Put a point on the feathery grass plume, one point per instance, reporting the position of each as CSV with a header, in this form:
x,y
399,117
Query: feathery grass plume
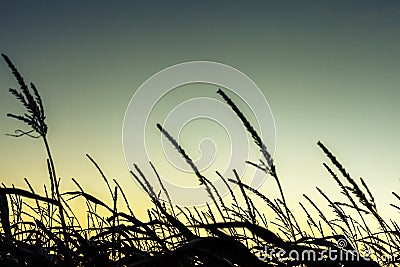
x,y
250,129
372,199
263,148
31,100
355,189
148,185
35,118
203,180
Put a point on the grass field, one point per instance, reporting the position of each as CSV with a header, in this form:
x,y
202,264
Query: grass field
x,y
43,230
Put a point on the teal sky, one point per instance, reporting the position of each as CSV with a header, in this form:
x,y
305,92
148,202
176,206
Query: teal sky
x,y
329,70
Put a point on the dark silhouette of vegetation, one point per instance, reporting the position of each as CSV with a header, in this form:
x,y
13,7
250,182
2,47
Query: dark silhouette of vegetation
x,y
47,232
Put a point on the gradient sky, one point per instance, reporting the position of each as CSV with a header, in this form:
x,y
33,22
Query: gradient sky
x,y
329,70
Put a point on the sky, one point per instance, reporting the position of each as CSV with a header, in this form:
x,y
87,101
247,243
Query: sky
x,y
328,69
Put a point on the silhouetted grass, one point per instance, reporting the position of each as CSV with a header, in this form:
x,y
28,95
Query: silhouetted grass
x,y
48,233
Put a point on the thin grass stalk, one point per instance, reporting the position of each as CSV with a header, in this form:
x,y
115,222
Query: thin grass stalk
x,y
246,198
125,198
321,214
163,188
